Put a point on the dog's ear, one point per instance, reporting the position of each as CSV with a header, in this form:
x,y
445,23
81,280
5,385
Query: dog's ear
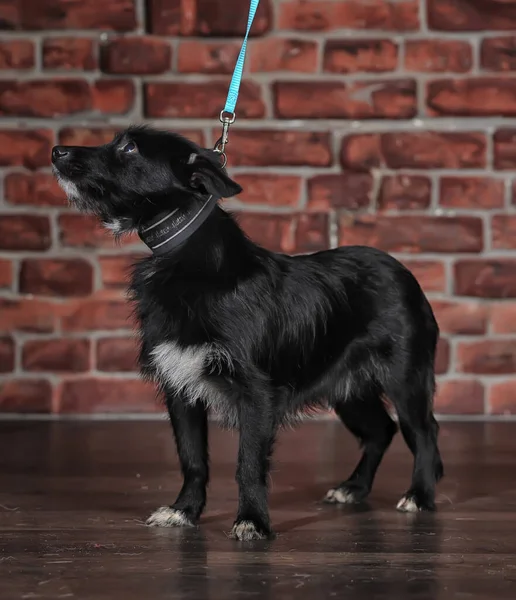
x,y
207,173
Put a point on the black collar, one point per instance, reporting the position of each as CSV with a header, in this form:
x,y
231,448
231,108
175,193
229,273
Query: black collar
x,y
167,231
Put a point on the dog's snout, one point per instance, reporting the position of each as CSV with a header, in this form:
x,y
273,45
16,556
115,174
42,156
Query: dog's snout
x,y
59,152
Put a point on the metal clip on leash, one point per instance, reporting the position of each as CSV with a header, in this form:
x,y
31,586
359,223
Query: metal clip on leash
x,y
220,146
228,115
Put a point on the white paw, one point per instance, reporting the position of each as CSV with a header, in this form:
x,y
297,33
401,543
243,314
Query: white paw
x,y
407,504
246,531
166,516
340,496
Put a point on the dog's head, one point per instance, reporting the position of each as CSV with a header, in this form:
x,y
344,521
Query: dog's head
x,y
141,173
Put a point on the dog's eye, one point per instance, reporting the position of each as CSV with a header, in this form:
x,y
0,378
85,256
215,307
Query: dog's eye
x,y
130,147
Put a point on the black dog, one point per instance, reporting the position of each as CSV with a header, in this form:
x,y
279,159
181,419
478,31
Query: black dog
x,y
257,337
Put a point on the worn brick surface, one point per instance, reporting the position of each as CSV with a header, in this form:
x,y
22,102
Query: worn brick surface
x,y
405,192
69,53
37,189
352,56
56,277
117,354
381,122
137,55
413,234
438,56
7,349
16,54
59,355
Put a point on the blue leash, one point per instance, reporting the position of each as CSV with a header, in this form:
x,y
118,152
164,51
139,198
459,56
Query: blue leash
x,y
228,116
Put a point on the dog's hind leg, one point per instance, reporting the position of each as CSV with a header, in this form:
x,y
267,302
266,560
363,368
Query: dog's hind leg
x,y
190,426
365,416
413,401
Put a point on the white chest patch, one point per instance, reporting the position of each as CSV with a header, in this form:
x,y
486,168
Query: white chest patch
x,y
185,370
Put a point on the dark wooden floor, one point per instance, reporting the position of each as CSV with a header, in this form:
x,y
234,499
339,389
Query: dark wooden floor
x,y
74,496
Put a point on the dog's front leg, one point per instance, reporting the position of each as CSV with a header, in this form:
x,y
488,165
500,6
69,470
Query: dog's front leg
x,y
257,433
190,426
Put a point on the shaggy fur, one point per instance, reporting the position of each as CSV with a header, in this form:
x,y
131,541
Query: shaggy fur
x,y
258,337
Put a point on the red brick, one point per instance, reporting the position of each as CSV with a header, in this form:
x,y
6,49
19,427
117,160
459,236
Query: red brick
x,y
503,317
442,357
415,150
353,14
502,396
503,232
363,151
215,58
24,232
471,192
430,274
487,278
480,96
28,315
224,18
56,277
434,150
268,147
29,149
136,55
505,149
89,395
200,100
498,54
86,136
471,15
6,354
392,99
404,192
69,53
85,231
99,312
16,54
291,234
63,14
44,98
461,317
25,396
488,357
463,397
113,96
413,233
6,273
57,355
116,270
354,56
37,189
117,354
350,190
274,54
438,56
269,189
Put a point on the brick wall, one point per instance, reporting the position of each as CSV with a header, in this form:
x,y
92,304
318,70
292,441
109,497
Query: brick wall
x,y
389,123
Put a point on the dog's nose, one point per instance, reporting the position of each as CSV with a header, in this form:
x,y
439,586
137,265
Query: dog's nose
x,y
59,152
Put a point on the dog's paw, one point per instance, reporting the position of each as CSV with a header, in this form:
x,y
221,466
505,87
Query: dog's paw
x,y
411,503
245,531
345,495
166,516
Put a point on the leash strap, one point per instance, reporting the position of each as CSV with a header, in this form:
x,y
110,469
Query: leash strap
x,y
234,86
227,116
